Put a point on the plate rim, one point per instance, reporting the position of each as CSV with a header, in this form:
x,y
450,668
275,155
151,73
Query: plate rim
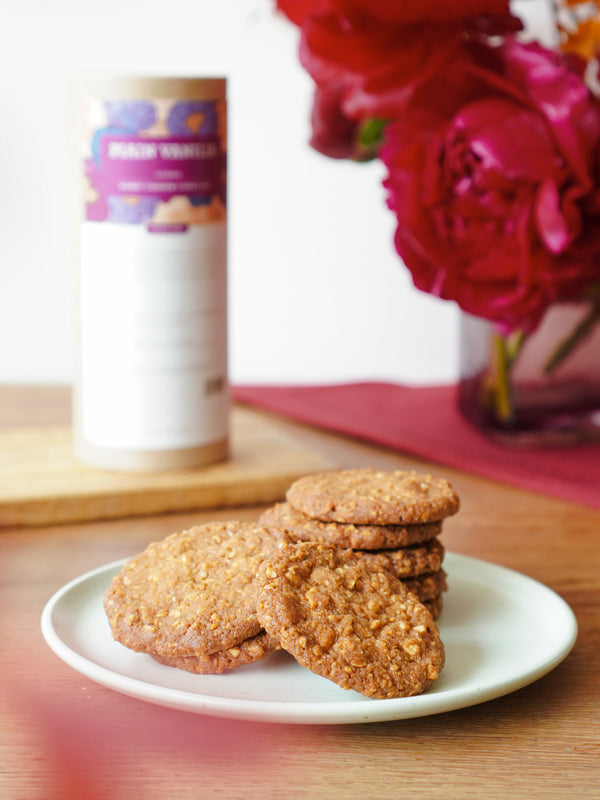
x,y
302,712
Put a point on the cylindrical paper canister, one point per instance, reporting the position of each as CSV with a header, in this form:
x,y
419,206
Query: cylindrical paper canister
x,y
151,387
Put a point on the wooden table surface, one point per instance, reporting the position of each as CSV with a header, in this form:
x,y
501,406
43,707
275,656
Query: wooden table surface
x,y
63,737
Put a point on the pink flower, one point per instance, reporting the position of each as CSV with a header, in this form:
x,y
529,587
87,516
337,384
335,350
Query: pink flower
x,y
376,67
492,176
391,12
333,133
376,52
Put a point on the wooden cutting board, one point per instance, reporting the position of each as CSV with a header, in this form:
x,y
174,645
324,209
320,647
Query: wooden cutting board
x,y
41,483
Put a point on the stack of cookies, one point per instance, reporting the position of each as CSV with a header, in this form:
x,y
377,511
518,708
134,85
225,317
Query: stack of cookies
x,y
349,590
392,519
188,600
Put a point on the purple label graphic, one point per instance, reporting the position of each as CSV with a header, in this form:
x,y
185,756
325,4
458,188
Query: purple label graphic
x,y
163,168
162,165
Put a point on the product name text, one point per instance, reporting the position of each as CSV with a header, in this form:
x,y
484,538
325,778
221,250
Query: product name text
x,y
169,151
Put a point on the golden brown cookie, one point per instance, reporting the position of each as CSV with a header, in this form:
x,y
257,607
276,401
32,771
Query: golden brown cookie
x,y
190,594
406,562
373,497
358,627
299,526
427,587
435,605
247,652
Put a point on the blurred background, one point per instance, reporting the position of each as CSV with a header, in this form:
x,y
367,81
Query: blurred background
x,y
316,291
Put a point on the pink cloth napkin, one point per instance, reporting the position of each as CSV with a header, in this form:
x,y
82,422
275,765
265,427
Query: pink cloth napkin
x,y
425,422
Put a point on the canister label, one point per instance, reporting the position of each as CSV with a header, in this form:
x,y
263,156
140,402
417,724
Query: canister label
x,y
159,163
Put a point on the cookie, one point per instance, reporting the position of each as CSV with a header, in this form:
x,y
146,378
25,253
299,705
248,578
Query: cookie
x,y
373,497
248,652
358,627
435,605
190,594
427,587
410,561
283,517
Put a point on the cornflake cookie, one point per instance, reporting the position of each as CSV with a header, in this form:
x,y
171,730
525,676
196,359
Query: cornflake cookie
x,y
357,627
283,517
373,497
247,652
190,594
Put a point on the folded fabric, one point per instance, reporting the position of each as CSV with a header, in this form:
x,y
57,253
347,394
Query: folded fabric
x,y
425,422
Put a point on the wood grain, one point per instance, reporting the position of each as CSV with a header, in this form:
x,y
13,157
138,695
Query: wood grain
x,y
63,737
43,484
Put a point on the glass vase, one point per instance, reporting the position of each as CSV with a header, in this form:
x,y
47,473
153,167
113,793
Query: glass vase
x,y
543,388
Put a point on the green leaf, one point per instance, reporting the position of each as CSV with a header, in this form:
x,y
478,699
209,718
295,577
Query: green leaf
x,y
371,133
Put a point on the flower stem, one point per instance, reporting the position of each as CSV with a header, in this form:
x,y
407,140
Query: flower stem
x,y
506,351
514,346
503,402
566,347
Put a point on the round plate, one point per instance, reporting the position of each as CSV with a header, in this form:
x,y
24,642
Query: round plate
x,y
502,630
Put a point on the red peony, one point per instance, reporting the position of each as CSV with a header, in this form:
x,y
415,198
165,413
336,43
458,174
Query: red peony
x,y
333,133
492,177
391,12
370,55
377,67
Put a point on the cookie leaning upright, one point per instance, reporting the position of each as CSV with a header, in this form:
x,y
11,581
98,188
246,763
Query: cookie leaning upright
x,y
342,619
190,594
373,497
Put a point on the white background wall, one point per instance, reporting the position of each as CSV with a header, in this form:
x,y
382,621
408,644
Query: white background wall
x,y
316,290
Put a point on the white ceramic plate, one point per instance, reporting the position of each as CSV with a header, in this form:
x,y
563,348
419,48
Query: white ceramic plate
x,y
502,630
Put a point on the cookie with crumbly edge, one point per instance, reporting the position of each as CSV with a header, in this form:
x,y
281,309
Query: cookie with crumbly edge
x,y
284,517
427,587
435,605
410,561
247,652
358,627
190,594
373,497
